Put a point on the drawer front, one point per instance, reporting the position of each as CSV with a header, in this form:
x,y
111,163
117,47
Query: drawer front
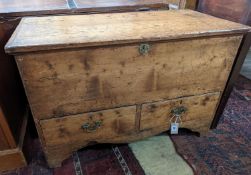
x,y
76,81
198,116
99,127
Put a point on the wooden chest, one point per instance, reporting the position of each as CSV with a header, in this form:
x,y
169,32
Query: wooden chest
x,y
113,78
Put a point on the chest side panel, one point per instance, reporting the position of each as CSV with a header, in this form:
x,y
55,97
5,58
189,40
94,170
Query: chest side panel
x,y
89,79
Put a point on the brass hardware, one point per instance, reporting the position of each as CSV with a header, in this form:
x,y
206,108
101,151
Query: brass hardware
x,y
91,127
178,111
144,48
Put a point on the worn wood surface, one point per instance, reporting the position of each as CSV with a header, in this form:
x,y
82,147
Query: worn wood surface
x,y
240,57
115,122
12,98
61,140
72,85
98,29
12,159
93,79
56,154
199,115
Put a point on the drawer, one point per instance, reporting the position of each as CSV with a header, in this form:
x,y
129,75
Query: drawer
x,y
199,113
76,81
99,126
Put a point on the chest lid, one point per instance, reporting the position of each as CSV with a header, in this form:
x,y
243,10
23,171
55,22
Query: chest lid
x,y
61,32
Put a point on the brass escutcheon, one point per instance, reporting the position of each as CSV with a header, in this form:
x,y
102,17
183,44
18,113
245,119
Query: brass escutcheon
x,y
144,48
178,111
92,126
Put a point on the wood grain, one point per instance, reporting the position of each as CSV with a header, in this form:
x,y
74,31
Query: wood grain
x,y
86,71
68,129
199,115
198,118
56,154
98,29
12,159
12,98
101,78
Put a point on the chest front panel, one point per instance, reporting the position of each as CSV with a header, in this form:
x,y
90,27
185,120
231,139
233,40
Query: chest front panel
x,y
75,81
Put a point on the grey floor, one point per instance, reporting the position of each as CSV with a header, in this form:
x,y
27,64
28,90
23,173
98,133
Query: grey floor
x,y
246,68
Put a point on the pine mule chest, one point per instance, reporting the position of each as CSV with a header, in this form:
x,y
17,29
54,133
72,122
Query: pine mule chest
x,y
115,78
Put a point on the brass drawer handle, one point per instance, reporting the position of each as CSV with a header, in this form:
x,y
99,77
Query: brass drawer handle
x,y
144,48
92,127
178,111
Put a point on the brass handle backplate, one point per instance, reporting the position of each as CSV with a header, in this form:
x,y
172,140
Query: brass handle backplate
x,y
92,126
178,111
144,48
